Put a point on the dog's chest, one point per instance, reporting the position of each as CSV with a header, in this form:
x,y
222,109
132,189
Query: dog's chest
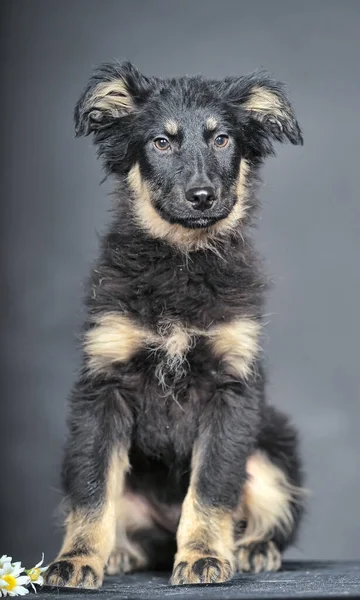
x,y
185,293
173,345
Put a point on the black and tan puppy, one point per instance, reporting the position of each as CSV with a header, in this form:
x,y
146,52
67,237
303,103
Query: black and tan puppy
x,y
173,455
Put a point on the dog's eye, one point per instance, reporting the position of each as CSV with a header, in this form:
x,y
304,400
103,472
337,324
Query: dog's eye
x,y
161,143
221,141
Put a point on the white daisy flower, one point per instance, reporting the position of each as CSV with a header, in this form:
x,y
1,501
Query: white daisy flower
x,y
35,574
13,568
11,581
4,559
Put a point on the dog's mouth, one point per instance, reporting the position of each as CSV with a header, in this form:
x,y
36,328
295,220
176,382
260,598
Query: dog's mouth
x,y
191,219
199,222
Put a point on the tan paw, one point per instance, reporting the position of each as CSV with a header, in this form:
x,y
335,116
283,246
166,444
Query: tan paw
x,y
126,560
78,571
207,569
257,557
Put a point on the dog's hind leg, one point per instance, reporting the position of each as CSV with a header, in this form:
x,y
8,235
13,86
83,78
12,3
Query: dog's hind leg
x,y
272,501
141,543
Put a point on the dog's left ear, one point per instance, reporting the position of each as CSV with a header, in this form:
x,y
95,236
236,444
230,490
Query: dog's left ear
x,y
114,91
265,100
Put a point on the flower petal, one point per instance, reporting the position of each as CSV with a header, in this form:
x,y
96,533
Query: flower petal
x,y
39,581
41,562
16,571
21,591
24,580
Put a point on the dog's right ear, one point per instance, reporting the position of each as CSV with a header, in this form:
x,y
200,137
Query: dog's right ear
x,y
114,91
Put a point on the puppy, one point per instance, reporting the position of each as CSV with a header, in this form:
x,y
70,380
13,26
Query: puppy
x,y
173,457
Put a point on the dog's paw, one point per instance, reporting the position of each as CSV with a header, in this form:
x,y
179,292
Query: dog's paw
x,y
125,560
257,557
79,571
207,569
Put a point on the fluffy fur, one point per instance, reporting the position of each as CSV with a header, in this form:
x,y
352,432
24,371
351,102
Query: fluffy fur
x,y
173,456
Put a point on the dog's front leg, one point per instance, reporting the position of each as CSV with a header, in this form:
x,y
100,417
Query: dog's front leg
x,y
205,535
95,464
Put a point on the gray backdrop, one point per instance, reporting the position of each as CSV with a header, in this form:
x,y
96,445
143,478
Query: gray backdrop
x,y
52,208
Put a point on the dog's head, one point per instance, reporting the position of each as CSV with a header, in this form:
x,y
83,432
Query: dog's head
x,y
186,146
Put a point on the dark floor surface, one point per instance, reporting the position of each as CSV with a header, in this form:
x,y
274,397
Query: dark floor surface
x,y
296,580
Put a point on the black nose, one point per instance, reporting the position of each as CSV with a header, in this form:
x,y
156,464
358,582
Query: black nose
x,y
201,197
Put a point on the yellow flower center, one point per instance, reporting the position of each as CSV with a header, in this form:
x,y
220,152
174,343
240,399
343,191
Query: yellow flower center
x,y
11,582
34,574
